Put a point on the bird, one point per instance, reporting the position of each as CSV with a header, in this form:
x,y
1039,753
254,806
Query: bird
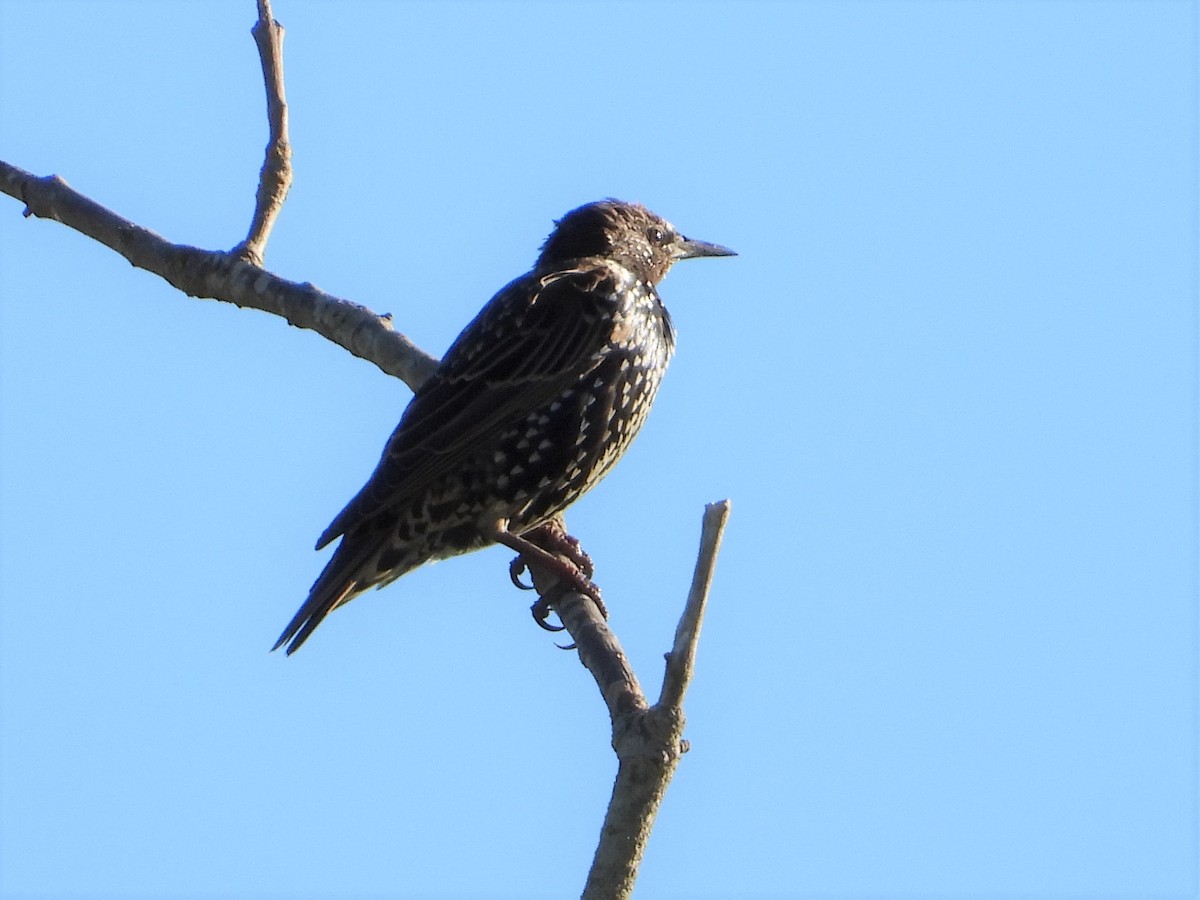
x,y
533,403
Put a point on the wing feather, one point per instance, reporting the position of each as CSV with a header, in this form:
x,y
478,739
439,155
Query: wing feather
x,y
533,340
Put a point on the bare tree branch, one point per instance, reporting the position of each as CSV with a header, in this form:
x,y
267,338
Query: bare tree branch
x,y
599,650
235,277
648,740
276,175
218,275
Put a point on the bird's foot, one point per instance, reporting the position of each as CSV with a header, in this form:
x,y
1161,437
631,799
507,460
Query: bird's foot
x,y
573,568
552,536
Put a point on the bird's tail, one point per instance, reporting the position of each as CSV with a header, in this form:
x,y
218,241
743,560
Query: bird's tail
x,y
339,582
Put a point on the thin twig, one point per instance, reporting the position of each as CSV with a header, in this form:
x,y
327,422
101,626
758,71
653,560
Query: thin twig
x,y
682,658
276,176
222,276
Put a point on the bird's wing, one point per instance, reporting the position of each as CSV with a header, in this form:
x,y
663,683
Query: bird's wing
x,y
532,341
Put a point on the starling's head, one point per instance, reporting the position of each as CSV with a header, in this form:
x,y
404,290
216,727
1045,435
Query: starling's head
x,y
626,233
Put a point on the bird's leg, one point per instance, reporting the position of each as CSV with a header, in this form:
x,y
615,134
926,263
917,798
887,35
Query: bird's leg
x,y
571,574
553,537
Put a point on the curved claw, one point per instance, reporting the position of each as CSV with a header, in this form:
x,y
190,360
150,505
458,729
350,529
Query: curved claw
x,y
540,611
515,569
570,646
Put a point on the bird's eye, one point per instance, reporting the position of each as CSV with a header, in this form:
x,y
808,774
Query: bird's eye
x,y
656,235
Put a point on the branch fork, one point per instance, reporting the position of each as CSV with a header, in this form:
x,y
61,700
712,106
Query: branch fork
x,y
648,739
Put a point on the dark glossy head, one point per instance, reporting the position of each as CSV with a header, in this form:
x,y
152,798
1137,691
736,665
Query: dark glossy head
x,y
626,233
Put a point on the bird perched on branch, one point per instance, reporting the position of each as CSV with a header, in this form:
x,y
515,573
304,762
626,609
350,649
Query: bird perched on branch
x,y
530,407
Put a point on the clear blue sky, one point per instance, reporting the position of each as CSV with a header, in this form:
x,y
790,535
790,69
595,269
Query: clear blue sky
x,y
949,385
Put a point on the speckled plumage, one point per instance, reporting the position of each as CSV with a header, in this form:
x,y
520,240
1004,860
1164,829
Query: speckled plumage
x,y
532,404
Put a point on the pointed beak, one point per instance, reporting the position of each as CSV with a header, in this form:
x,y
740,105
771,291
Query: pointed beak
x,y
687,249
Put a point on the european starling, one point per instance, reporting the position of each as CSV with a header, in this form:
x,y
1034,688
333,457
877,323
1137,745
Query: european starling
x,y
532,405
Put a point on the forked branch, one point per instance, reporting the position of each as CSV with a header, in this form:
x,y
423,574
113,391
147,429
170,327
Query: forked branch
x,y
276,176
648,740
235,277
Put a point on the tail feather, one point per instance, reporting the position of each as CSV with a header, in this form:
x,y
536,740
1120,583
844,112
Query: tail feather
x,y
311,614
340,581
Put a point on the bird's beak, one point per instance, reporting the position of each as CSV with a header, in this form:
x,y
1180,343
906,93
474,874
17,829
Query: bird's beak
x,y
686,249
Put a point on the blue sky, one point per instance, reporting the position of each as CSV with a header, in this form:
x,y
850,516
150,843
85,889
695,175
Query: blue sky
x,y
949,385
